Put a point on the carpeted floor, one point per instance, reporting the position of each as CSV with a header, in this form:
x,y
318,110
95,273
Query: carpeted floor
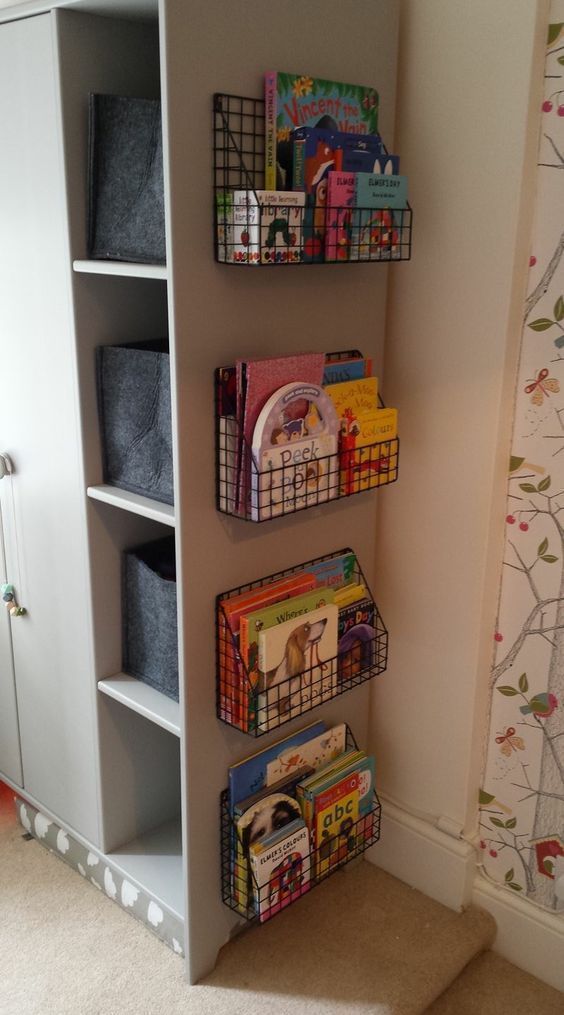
x,y
361,943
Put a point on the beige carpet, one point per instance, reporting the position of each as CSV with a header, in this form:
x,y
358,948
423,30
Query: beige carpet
x,y
361,943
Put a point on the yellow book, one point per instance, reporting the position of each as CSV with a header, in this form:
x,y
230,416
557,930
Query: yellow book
x,y
367,459
357,397
349,594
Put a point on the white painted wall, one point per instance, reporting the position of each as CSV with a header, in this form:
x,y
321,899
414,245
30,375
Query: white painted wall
x,y
469,94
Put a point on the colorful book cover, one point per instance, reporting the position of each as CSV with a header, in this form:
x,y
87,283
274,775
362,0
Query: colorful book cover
x,y
340,201
366,457
286,784
224,225
281,226
281,871
256,380
316,753
377,228
233,676
294,446
298,665
270,130
316,154
361,154
335,571
246,228
358,397
336,812
304,101
271,812
337,371
249,775
356,640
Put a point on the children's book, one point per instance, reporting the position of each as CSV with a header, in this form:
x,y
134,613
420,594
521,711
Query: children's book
x,y
280,870
382,190
251,625
336,814
245,247
357,397
316,153
298,100
294,446
286,784
337,371
376,228
271,812
298,665
315,753
363,153
356,640
335,571
340,201
224,224
281,226
349,594
366,457
249,776
234,682
256,380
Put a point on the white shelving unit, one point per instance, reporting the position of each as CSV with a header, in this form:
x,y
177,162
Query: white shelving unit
x,y
149,767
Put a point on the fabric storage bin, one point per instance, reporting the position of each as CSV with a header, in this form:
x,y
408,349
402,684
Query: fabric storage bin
x,y
150,633
126,191
135,417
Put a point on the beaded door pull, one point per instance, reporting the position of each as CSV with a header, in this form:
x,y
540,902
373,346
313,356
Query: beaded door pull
x,y
9,598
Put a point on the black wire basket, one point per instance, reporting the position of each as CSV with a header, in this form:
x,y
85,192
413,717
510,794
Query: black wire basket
x,y
247,704
246,491
248,231
297,874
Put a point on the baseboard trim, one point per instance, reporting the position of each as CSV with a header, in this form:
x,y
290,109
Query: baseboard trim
x,y
529,937
419,853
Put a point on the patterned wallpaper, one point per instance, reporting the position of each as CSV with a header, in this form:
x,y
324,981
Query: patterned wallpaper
x,y
522,798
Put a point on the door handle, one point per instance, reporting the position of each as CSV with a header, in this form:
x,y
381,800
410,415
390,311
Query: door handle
x,y
6,465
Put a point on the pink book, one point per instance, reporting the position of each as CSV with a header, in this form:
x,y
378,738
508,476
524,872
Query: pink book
x,y
256,381
340,203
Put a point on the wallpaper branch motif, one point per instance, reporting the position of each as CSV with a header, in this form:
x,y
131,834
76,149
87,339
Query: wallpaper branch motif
x,y
522,800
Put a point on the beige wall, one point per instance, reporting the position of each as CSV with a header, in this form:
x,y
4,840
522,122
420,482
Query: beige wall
x,y
469,91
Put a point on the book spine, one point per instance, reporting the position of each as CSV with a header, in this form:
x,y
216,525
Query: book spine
x,y
298,176
270,79
246,229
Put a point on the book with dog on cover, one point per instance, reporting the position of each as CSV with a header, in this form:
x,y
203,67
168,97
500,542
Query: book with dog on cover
x,y
280,869
297,665
265,816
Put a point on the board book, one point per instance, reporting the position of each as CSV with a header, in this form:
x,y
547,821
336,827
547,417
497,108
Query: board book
x,y
354,369
336,815
275,808
249,776
358,397
356,639
294,446
340,201
298,666
316,753
280,870
298,100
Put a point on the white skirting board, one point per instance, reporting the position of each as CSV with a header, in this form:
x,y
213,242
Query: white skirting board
x,y
445,868
528,936
425,857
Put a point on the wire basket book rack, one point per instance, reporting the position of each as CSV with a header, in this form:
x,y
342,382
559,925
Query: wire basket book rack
x,y
250,230
296,873
245,702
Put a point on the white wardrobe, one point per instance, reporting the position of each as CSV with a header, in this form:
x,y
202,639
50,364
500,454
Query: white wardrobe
x,y
134,777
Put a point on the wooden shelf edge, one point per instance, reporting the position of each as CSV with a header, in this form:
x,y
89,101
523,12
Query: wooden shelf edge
x,y
143,699
133,502
125,268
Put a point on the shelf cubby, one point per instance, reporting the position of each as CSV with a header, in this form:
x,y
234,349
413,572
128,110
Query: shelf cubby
x,y
133,502
248,235
295,876
143,699
127,269
244,705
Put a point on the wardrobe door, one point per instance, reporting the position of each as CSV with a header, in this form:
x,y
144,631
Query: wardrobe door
x,y
45,535
10,756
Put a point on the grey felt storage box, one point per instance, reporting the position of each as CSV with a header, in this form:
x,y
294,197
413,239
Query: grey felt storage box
x,y
126,193
150,632
135,417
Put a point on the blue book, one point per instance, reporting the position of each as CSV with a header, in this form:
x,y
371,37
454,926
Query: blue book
x,y
377,217
249,775
318,151
366,155
382,190
346,370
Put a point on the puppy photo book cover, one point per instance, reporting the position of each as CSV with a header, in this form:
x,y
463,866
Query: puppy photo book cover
x,y
297,660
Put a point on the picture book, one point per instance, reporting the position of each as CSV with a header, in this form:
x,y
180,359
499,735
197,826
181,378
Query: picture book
x,y
315,753
249,775
273,811
335,571
316,153
294,446
281,226
365,456
336,814
380,190
355,397
256,380
280,870
366,154
298,100
356,640
245,247
298,665
377,228
340,200
337,371
224,224
234,682
286,784
351,761
349,594
249,627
